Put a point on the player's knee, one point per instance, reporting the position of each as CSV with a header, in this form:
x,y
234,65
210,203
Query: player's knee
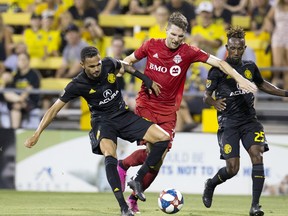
x,y
232,170
164,137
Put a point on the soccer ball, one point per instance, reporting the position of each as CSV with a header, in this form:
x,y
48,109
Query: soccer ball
x,y
170,201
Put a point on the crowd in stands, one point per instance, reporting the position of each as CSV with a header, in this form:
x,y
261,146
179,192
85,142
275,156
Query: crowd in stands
x,y
61,28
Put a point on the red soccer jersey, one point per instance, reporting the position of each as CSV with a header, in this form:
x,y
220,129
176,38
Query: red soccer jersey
x,y
167,67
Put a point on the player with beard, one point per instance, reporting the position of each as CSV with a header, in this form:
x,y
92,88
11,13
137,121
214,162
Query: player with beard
x,y
237,119
110,118
168,61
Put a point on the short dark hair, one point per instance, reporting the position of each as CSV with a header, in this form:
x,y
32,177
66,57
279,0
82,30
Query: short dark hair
x,y
178,20
236,32
88,52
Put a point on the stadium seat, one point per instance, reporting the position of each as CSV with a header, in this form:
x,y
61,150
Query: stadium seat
x,y
130,43
127,21
49,63
243,21
54,83
259,44
17,38
16,19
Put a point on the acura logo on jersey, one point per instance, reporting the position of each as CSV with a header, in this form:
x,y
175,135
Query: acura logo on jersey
x,y
107,93
108,96
239,91
175,70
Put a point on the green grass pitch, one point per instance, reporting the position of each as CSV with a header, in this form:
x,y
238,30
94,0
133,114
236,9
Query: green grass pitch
x,y
98,204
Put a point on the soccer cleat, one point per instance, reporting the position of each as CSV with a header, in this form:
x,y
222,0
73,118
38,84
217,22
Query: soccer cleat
x,y
122,174
137,188
256,210
208,194
133,206
127,212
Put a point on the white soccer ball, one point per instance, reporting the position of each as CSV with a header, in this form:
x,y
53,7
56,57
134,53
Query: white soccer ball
x,y
170,201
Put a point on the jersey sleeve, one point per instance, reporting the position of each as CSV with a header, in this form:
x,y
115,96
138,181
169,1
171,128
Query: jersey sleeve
x,y
258,79
116,64
212,79
198,55
142,51
70,92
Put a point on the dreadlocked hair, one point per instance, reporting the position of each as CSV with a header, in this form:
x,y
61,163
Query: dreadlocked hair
x,y
88,52
235,32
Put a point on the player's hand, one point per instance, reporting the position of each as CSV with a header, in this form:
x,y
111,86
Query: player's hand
x,y
155,88
30,142
220,104
247,85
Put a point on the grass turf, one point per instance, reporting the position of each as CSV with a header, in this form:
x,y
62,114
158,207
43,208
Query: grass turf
x,y
98,204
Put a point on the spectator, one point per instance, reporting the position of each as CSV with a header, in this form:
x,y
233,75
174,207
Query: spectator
x,y
240,7
221,15
11,61
50,7
207,35
278,15
6,42
107,6
159,29
259,12
24,106
143,7
33,38
83,9
65,20
185,8
93,33
5,77
51,38
71,53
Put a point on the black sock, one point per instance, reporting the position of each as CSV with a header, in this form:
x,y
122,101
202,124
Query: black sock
x,y
121,164
142,172
153,158
258,178
220,177
114,180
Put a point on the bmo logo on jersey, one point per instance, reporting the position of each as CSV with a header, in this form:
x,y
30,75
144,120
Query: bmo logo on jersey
x,y
157,68
174,70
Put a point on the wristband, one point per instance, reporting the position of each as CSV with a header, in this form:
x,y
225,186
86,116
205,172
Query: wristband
x,y
286,93
147,81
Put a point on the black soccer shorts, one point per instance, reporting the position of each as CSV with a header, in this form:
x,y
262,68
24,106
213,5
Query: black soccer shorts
x,y
126,125
251,133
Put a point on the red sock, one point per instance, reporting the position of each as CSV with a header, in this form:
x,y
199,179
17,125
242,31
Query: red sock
x,y
136,158
149,178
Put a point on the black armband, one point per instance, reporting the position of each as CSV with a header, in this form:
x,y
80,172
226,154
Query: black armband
x,y
147,81
286,93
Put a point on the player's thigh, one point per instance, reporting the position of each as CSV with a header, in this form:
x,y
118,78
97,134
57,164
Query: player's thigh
x,y
155,134
108,147
252,133
100,130
228,140
132,127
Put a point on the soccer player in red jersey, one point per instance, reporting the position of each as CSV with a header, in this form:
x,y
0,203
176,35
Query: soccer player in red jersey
x,y
168,61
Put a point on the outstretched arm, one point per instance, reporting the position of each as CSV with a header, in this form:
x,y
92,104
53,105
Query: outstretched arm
x,y
46,120
226,68
273,90
150,84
